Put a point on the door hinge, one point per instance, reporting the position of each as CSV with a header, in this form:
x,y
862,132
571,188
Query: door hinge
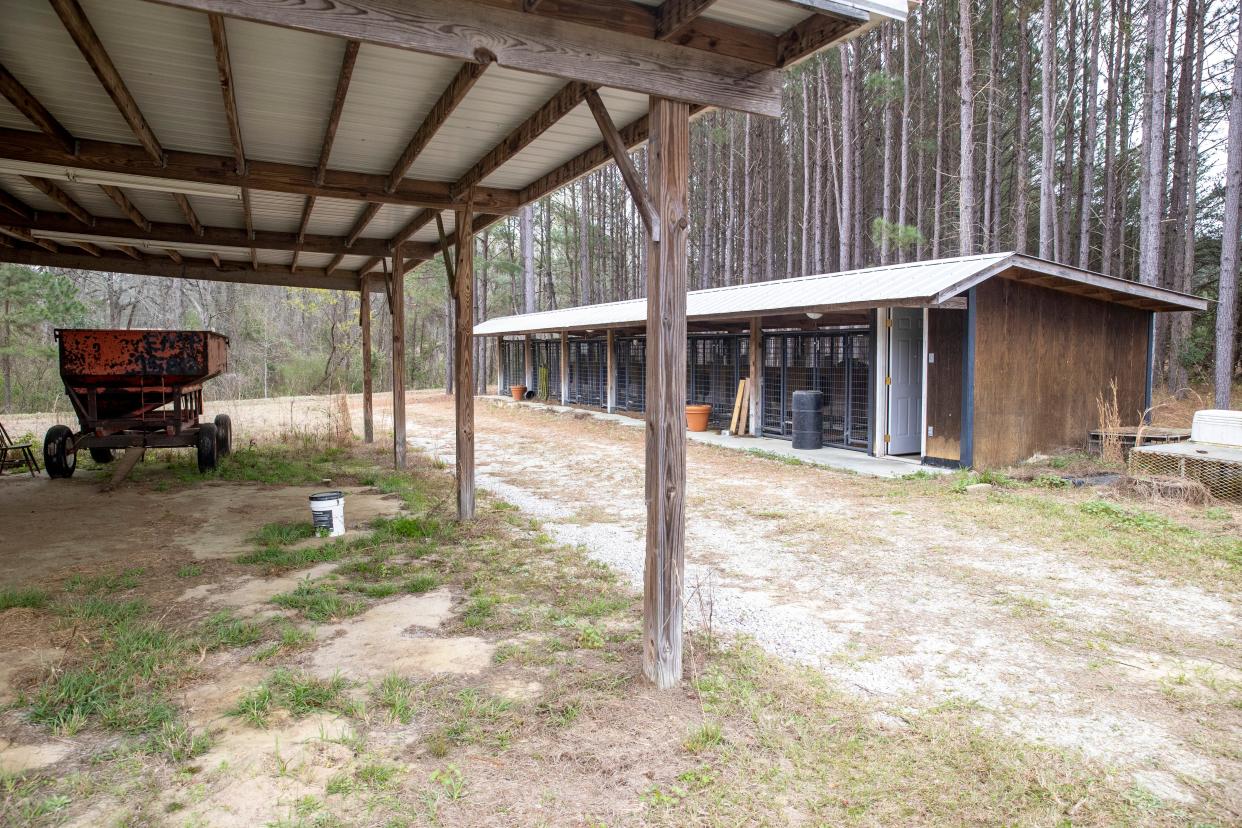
x,y
887,438
888,380
888,323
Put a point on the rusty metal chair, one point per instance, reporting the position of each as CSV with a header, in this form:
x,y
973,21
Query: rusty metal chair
x,y
16,455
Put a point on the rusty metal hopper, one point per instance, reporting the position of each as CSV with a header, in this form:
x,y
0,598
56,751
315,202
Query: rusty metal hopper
x,y
140,358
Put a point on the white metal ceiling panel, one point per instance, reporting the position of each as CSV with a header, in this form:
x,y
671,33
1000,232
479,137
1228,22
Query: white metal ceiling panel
x,y
91,198
334,217
389,221
158,207
499,102
277,212
35,47
166,58
429,233
285,82
17,187
773,18
390,93
215,212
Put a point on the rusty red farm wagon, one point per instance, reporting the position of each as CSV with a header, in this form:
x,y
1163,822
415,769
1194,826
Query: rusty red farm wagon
x,y
137,388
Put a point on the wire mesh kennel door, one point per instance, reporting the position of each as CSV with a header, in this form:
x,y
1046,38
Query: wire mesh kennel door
x,y
713,370
837,364
588,372
512,364
546,356
631,367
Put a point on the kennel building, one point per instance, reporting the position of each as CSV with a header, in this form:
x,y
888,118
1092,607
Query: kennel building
x,y
975,361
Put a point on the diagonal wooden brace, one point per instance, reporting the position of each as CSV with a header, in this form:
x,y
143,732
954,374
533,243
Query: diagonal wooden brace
x,y
633,182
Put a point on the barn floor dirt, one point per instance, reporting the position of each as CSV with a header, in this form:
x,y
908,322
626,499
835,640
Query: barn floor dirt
x,y
913,601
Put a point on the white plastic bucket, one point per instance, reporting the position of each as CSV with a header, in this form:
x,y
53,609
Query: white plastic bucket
x,y
328,513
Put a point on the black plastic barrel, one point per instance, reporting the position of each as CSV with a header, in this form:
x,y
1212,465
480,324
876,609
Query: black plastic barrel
x,y
808,419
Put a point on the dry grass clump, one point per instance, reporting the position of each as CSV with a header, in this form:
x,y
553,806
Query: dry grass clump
x,y
1108,418
1166,489
341,426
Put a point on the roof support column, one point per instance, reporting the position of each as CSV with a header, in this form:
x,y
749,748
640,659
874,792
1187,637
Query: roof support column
x,y
397,298
463,355
756,372
364,322
529,363
668,185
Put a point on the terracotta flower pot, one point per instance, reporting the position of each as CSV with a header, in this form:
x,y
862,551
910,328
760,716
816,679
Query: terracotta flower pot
x,y
696,417
518,392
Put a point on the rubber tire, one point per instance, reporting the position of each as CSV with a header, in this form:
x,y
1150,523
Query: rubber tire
x,y
57,459
102,455
208,443
224,435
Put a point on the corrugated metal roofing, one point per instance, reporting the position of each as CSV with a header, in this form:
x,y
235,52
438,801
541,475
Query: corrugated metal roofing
x,y
284,83
920,283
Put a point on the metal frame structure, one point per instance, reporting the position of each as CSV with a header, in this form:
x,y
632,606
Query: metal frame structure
x,y
836,363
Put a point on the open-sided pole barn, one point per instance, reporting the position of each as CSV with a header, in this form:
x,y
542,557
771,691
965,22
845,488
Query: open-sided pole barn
x,y
338,143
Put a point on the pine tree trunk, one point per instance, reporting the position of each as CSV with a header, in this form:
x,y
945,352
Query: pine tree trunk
x,y
730,205
1227,296
1047,159
886,175
1064,244
990,205
846,249
967,209
904,139
1091,125
1022,157
938,196
747,276
1111,123
1151,205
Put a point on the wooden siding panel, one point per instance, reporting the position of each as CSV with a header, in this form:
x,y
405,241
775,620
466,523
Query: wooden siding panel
x,y
946,339
1041,358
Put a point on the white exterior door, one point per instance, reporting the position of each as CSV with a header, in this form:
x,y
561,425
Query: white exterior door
x,y
905,385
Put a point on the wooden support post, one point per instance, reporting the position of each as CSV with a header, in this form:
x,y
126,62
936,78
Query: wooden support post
x,y
564,367
668,153
611,384
463,355
756,373
364,322
397,292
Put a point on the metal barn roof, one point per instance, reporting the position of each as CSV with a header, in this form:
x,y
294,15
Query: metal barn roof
x,y
282,68
917,284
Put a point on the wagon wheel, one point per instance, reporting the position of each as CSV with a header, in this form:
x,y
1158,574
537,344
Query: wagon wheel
x,y
224,435
59,456
101,455
208,445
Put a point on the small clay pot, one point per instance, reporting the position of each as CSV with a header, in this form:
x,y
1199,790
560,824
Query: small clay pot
x,y
697,416
518,392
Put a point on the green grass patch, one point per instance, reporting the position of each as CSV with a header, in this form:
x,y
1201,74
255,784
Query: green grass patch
x,y
283,534
124,681
191,571
318,602
104,584
298,692
779,458
224,630
396,695
26,597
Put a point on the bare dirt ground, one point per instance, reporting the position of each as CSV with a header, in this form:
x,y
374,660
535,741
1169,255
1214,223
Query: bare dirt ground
x,y
905,596
894,597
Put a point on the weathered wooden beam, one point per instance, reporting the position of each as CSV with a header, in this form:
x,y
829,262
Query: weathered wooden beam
x,y
335,263
364,323
35,112
348,60
240,272
130,251
248,221
187,210
15,205
92,49
215,260
307,207
224,68
810,36
55,193
668,181
127,207
465,30
610,378
87,246
555,108
420,220
620,155
173,254
641,20
396,301
564,367
27,145
463,358
22,234
174,235
674,16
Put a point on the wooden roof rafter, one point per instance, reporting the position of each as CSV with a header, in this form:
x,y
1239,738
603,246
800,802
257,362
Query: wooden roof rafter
x,y
35,112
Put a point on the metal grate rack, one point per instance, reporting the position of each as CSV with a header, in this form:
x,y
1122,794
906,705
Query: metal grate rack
x,y
512,364
588,367
631,367
713,370
836,363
